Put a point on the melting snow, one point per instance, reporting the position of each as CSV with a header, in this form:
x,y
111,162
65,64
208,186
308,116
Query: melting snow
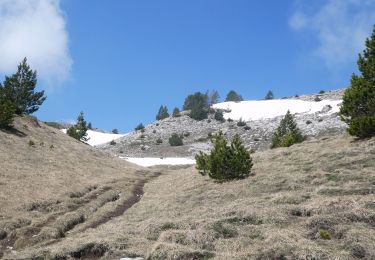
x,y
150,161
259,109
97,138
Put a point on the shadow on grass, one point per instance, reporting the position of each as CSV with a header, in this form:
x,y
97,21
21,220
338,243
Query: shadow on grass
x,y
13,131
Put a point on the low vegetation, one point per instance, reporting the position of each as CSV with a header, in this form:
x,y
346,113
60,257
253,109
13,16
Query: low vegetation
x,y
287,133
79,130
176,140
358,107
225,162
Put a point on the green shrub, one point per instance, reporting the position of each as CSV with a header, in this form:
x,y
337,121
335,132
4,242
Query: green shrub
x,y
159,141
175,140
114,131
139,127
31,143
154,131
186,134
230,120
176,112
112,142
322,92
269,95
162,113
308,122
241,123
317,99
225,162
219,116
358,107
7,111
79,130
287,133
324,233
247,127
233,96
198,112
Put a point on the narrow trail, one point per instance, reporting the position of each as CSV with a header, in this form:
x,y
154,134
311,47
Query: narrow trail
x,y
127,204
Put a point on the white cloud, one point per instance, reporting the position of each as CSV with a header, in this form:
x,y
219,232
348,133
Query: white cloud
x,y
340,26
34,29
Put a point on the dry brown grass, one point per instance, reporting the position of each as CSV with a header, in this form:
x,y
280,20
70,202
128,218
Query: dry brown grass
x,y
314,200
56,186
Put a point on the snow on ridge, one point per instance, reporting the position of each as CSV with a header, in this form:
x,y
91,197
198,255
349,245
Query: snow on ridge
x,y
261,109
151,161
98,138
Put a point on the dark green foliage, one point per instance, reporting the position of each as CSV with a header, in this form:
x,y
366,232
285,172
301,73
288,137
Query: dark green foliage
x,y
79,130
7,111
219,116
233,96
324,233
89,126
112,142
269,95
322,92
241,122
159,141
287,133
176,112
225,162
175,140
163,113
247,127
186,134
139,127
19,89
308,122
114,131
358,107
230,120
31,143
198,106
198,112
213,97
317,99
197,99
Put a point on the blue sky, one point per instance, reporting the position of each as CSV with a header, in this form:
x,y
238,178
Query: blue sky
x,y
118,61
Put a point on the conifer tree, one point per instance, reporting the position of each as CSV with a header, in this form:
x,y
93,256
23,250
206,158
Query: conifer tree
x,y
225,162
213,97
233,96
198,105
358,107
287,133
163,113
20,90
7,111
176,112
269,95
79,130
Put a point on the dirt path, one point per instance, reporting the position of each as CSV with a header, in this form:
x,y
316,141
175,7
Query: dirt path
x,y
127,204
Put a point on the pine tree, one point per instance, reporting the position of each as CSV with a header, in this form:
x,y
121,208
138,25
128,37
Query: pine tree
x,y
79,130
358,107
7,111
89,126
219,116
198,105
213,97
233,96
163,113
269,95
115,131
139,127
20,90
176,112
287,133
225,162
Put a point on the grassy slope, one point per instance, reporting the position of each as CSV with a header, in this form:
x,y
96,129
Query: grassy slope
x,y
314,200
48,189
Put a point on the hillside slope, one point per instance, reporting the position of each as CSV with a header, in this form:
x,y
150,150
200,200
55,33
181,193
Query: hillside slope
x,y
320,206
51,184
262,118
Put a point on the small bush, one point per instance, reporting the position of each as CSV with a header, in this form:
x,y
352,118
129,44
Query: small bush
x,y
7,111
308,122
287,133
142,136
31,143
320,120
247,127
241,123
198,113
317,99
186,134
175,140
224,231
112,142
176,112
159,141
209,121
154,131
139,127
51,146
219,116
230,120
225,162
324,233
114,131
322,92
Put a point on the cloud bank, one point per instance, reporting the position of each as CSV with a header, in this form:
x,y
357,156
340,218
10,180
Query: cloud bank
x,y
340,27
35,29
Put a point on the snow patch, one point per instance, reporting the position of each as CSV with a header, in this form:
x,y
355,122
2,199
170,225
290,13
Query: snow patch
x,y
262,109
151,161
98,138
